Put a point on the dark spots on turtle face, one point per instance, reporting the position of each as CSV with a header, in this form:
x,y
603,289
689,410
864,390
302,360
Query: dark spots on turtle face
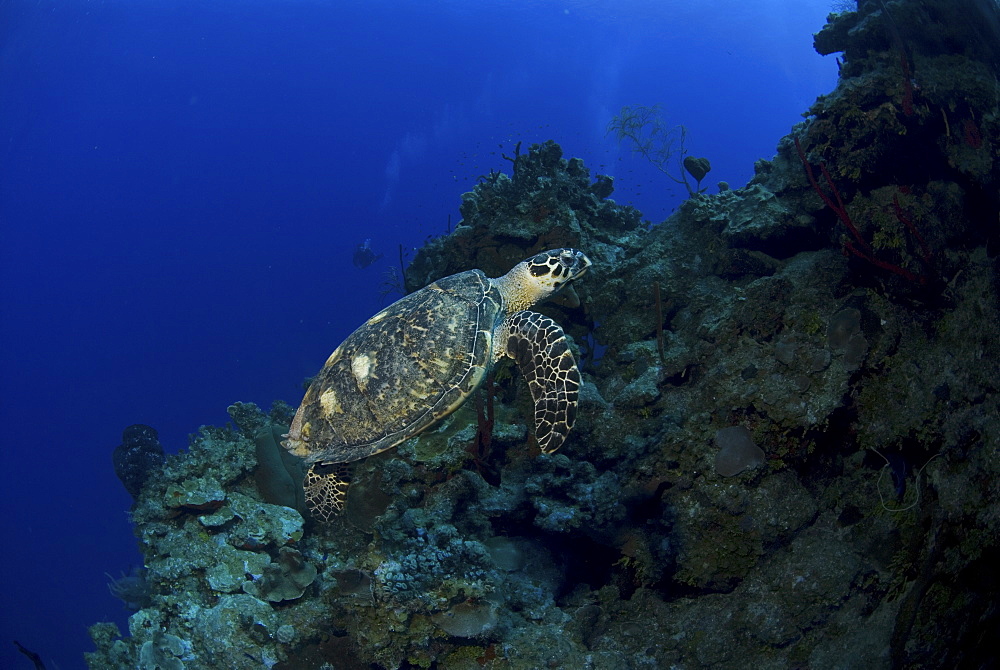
x,y
539,270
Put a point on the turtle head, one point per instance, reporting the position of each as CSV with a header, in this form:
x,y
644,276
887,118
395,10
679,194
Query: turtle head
x,y
542,276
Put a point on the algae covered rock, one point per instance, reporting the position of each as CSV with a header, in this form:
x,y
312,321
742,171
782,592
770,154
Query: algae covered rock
x,y
203,494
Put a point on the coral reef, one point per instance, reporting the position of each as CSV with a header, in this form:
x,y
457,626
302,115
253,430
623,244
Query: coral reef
x,y
741,323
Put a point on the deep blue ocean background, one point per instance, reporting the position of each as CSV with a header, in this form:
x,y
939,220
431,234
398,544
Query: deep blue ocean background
x,y
183,184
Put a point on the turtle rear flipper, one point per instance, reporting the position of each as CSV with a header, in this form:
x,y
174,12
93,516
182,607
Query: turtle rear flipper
x,y
326,489
538,345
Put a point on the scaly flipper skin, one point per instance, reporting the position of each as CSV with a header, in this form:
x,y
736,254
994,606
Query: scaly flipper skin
x,y
326,489
538,345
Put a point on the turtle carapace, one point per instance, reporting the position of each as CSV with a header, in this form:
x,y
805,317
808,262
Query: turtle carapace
x,y
419,359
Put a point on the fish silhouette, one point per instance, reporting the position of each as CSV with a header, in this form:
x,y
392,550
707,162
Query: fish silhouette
x,y
364,256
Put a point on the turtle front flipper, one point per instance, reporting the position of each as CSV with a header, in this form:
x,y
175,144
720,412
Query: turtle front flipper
x,y
538,345
326,489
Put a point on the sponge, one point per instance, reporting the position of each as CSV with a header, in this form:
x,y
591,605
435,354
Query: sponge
x,y
138,456
279,474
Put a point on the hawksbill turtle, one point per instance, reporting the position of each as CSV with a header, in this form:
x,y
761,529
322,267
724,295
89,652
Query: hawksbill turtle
x,y
419,359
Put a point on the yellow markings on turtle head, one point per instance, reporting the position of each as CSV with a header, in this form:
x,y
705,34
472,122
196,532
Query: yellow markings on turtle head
x,y
329,402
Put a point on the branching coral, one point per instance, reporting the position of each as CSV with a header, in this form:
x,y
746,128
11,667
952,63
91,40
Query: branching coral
x,y
649,135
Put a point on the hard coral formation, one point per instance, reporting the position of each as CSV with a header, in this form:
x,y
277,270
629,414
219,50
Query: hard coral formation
x,y
163,652
631,547
285,579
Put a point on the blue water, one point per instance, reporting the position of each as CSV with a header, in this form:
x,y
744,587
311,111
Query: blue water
x,y
183,184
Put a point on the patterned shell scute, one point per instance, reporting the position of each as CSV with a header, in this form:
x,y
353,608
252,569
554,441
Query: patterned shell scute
x,y
407,366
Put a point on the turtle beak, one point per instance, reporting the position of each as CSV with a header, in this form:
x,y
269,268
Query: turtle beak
x,y
575,262
573,265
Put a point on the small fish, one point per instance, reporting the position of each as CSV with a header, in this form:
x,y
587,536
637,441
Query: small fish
x,y
364,256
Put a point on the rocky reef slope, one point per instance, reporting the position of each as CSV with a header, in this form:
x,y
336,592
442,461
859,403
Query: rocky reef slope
x,y
786,450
